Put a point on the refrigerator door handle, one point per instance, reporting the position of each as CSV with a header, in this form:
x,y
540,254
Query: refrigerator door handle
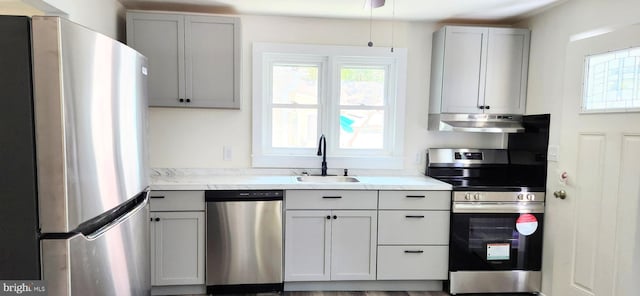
x,y
112,260
96,227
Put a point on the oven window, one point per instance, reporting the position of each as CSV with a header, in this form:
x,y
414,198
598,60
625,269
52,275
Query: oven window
x,y
493,242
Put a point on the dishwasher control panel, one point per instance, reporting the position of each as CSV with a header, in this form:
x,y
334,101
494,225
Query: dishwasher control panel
x,y
242,195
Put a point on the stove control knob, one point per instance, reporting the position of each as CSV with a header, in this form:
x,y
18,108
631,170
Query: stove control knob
x,y
476,196
531,196
467,196
520,196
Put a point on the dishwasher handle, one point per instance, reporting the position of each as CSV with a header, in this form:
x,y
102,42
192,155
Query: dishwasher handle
x,y
243,195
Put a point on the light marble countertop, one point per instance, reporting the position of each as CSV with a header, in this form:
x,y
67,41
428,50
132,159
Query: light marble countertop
x,y
258,182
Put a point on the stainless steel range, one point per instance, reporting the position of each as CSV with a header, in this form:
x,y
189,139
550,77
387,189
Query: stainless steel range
x,y
496,221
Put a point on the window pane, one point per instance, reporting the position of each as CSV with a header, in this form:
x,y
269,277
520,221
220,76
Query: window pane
x,y
362,86
295,84
612,80
294,128
362,129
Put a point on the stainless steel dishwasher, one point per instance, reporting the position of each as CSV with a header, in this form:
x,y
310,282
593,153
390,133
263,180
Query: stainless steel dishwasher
x,y
244,241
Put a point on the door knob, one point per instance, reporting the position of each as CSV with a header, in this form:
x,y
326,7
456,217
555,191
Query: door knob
x,y
561,194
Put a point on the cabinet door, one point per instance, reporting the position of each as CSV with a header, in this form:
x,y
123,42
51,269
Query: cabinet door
x,y
160,37
507,66
212,56
353,245
177,240
307,246
464,69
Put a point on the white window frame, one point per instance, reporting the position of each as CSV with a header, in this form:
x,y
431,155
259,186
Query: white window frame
x,y
330,59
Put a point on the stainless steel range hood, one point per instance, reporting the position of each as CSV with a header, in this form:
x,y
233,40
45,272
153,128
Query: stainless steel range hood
x,y
479,123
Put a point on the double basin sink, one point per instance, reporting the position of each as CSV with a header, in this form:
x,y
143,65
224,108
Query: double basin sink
x,y
327,179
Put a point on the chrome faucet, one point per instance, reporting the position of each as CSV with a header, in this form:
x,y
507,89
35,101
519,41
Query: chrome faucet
x,y
322,151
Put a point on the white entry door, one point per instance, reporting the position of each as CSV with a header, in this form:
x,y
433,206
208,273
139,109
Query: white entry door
x,y
596,249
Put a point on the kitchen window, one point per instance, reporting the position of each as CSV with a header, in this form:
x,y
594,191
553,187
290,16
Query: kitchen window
x,y
352,95
612,81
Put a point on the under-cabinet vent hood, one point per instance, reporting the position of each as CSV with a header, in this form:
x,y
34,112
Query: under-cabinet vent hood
x,y
479,123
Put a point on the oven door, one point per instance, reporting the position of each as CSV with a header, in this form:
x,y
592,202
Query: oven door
x,y
497,240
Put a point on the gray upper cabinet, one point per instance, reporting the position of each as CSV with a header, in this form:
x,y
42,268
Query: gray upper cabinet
x,y
479,70
194,60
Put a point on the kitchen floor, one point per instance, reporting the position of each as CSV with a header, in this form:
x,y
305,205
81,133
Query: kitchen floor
x,y
351,293
368,293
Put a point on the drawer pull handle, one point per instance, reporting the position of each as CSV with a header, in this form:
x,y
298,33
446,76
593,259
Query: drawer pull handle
x,y
414,251
157,196
414,216
332,197
416,196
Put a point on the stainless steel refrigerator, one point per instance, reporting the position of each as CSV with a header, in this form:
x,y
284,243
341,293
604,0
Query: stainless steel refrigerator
x,y
73,181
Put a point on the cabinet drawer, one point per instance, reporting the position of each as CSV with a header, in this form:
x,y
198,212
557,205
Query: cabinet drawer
x,y
413,262
413,227
415,200
331,199
176,201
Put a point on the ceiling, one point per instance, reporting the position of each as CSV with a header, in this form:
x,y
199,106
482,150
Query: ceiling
x,y
414,10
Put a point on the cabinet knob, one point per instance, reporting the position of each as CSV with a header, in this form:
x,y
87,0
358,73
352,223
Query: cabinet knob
x,y
487,107
335,217
181,100
189,101
481,107
328,217
157,219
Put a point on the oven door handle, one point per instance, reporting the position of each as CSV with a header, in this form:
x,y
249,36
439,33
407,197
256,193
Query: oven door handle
x,y
497,207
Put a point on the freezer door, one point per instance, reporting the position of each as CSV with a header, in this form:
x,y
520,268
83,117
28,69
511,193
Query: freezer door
x,y
112,260
90,101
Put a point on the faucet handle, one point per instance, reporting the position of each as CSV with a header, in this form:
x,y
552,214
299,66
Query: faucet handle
x,y
346,172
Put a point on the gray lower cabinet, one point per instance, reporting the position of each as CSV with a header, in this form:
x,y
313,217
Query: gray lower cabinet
x,y
330,235
413,235
194,59
177,238
421,262
355,235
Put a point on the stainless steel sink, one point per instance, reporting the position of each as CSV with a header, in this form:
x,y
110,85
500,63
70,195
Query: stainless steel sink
x,y
327,179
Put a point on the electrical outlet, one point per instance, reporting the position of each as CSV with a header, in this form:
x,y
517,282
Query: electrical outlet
x,y
418,158
553,153
227,153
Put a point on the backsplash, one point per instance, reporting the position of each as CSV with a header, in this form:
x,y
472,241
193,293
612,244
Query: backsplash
x,y
159,173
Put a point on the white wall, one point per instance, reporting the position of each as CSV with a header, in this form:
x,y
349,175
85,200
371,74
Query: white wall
x,y
193,138
14,7
550,35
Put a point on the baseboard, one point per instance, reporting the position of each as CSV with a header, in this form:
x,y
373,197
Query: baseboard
x,y
178,290
365,286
